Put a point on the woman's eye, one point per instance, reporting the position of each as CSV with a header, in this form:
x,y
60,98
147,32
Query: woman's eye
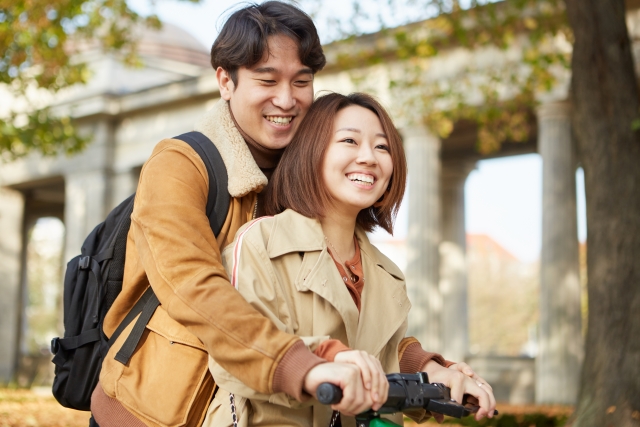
x,y
383,147
349,140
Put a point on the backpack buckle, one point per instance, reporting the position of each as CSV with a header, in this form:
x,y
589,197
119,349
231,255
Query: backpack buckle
x,y
84,262
55,345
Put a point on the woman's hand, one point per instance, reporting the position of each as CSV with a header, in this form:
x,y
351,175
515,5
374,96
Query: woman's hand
x,y
347,376
461,379
373,376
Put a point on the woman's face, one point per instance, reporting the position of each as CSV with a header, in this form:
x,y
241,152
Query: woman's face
x,y
357,165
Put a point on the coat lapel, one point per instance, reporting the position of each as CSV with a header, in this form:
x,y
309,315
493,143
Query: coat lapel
x,y
325,281
385,305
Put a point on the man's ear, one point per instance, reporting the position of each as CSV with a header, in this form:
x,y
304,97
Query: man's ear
x,y
225,83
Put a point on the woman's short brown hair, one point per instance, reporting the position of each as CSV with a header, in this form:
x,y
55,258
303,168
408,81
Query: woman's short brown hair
x,y
297,181
243,40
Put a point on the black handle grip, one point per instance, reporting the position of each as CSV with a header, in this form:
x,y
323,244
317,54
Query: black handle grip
x,y
328,394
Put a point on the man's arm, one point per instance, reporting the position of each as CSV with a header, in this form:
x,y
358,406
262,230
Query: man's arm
x,y
182,261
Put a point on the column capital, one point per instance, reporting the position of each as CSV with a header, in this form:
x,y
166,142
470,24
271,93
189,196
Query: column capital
x,y
554,110
418,131
454,171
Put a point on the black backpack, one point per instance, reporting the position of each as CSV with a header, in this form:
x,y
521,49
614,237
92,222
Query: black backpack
x,y
93,280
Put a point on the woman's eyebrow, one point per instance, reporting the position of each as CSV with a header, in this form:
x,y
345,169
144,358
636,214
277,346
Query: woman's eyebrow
x,y
382,135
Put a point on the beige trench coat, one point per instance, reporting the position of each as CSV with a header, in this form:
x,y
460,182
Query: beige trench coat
x,y
282,267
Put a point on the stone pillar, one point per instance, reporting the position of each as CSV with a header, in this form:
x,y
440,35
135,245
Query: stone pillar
x,y
453,261
560,337
85,207
423,239
123,184
11,254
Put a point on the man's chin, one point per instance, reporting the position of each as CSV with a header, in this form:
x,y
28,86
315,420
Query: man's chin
x,y
276,142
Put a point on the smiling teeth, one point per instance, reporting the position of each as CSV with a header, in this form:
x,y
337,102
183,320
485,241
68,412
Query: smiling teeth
x,y
279,120
368,179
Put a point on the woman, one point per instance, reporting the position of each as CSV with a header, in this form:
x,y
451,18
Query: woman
x,y
311,269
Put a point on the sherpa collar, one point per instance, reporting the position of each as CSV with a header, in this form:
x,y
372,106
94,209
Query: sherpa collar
x,y
244,174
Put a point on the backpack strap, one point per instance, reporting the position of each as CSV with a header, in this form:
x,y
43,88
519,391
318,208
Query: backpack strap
x,y
217,208
149,307
218,200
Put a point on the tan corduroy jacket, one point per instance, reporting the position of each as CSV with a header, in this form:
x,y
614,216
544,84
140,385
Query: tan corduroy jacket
x,y
171,248
282,267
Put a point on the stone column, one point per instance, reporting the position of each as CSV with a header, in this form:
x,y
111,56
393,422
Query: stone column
x,y
85,207
123,184
11,253
560,337
453,261
423,260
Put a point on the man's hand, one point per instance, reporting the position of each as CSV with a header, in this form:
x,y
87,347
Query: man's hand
x,y
347,376
463,380
373,377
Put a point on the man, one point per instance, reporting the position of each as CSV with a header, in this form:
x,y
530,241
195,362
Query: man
x,y
265,58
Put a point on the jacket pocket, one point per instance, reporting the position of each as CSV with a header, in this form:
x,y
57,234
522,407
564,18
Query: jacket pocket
x,y
167,380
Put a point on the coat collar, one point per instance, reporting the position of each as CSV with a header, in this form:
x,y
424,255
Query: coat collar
x,y
244,174
297,233
385,304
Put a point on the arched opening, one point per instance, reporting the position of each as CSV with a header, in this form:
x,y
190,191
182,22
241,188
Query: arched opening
x,y
38,309
42,300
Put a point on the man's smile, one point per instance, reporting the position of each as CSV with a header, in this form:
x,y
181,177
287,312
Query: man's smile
x,y
279,120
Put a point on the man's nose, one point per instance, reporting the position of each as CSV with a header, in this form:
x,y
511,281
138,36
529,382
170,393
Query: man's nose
x,y
284,97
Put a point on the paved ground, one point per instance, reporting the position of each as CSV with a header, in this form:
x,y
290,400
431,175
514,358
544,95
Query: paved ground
x,y
38,408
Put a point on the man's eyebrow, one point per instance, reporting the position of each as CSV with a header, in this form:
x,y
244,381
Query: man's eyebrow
x,y
265,70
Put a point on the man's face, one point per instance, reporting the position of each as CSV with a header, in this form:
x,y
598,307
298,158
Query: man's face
x,y
271,97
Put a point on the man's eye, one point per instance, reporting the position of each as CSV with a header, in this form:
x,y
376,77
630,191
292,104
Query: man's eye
x,y
268,82
302,83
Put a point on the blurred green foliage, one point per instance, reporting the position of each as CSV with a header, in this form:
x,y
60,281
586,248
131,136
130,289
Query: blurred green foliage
x,y
504,96
39,40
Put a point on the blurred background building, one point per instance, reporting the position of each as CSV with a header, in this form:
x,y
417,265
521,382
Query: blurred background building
x,y
517,323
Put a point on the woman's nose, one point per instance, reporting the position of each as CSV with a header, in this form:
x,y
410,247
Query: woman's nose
x,y
366,155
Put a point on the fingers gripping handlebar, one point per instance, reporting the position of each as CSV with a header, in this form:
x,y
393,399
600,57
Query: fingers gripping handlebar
x,y
406,391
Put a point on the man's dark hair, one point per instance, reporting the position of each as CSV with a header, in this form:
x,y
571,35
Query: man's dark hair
x,y
243,40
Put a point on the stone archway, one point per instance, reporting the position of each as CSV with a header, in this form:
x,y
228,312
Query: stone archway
x,y
25,358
